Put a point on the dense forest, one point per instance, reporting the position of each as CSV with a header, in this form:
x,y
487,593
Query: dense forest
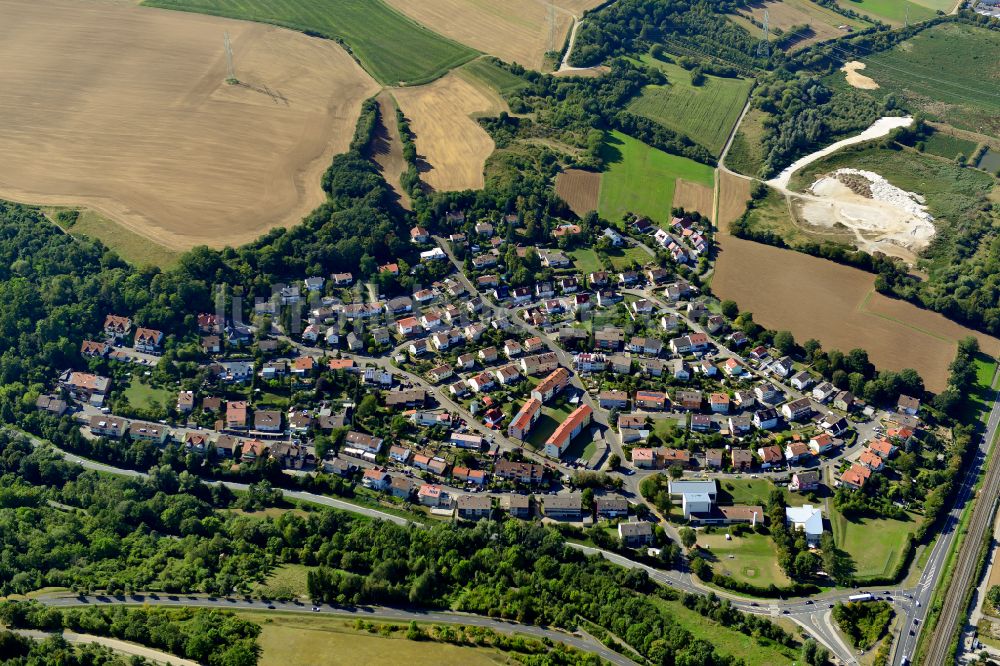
x,y
17,650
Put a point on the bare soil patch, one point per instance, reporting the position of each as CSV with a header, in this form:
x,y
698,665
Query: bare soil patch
x,y
693,196
852,72
386,148
125,110
585,72
786,14
837,305
518,31
580,189
734,192
449,140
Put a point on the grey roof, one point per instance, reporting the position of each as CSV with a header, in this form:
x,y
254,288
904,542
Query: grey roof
x,y
693,487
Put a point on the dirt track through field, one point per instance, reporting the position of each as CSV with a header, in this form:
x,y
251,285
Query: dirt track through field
x,y
449,140
387,148
125,109
837,305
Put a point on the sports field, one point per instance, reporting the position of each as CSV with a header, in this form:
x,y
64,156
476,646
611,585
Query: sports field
x,y
705,113
518,31
392,47
125,110
949,72
452,144
640,179
895,12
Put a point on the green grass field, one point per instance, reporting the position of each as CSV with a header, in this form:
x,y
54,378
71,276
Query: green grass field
x,y
949,72
286,582
948,146
393,48
586,260
622,257
640,179
547,423
746,155
314,641
497,78
705,113
752,558
143,396
130,246
726,640
895,12
875,545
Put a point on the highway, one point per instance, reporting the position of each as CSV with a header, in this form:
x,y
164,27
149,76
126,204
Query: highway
x,y
399,615
952,610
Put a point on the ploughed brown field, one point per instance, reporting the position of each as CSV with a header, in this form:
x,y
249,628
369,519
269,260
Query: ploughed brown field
x,y
734,192
693,196
579,189
453,146
837,305
126,110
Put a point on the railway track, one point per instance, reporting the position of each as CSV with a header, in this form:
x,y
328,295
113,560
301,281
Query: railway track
x,y
952,610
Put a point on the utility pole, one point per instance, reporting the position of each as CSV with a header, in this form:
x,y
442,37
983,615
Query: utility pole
x,y
764,45
231,78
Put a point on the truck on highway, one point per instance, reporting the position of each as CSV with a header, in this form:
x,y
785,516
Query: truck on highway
x,y
860,597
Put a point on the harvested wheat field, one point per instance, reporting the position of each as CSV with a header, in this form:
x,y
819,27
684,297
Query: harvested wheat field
x,y
518,31
449,141
693,196
577,7
386,149
837,305
125,110
734,192
787,14
580,189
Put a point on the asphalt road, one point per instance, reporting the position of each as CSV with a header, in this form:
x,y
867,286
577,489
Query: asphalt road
x,y
579,641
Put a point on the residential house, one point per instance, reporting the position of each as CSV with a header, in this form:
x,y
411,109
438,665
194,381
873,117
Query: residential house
x,y
742,459
481,382
565,432
563,507
783,366
608,507
871,460
154,433
770,456
303,366
823,392
549,387
732,367
267,420
907,405
883,448
801,380
844,401
796,451
609,338
85,387
51,404
185,401
400,487
822,443
117,327
376,478
719,403
766,393
518,506
701,422
406,398
521,472
797,410
803,482
688,400
466,441
611,399
474,507
433,495
651,400
363,442
111,427
94,349
679,370
855,477
211,344
713,458
419,235
525,419
148,340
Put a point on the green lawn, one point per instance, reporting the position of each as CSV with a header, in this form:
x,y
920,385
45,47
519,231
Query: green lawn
x,y
895,11
393,48
586,260
640,179
705,113
980,399
485,71
143,396
752,558
746,155
547,423
286,581
875,544
622,257
754,491
726,640
949,72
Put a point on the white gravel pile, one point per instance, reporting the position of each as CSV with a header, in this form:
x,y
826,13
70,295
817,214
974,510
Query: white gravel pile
x,y
883,190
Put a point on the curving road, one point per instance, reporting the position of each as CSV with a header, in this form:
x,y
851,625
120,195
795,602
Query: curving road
x,y
576,640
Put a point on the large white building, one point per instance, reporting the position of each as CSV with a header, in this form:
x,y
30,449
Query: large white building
x,y
808,519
